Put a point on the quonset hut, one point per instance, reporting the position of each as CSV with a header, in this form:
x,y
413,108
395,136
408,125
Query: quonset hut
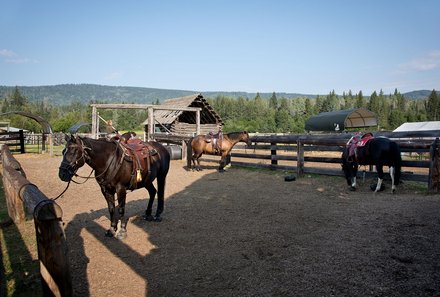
x,y
341,120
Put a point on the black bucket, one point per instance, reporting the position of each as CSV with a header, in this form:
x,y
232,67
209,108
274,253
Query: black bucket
x,y
175,151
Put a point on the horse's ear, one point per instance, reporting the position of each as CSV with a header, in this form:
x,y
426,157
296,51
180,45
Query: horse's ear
x,y
68,137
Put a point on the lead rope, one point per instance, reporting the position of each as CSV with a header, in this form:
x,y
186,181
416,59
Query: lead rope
x,y
68,184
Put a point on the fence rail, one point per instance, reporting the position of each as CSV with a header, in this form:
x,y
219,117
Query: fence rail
x,y
15,140
292,152
24,200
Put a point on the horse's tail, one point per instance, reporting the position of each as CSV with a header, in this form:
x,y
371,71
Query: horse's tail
x,y
397,162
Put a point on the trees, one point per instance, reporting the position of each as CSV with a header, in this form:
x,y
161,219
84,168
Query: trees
x,y
268,115
433,107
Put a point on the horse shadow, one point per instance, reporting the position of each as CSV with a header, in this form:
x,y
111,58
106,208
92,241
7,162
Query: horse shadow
x,y
79,260
173,247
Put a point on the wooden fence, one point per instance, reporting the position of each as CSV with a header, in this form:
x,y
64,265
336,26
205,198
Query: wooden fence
x,y
23,200
15,140
307,154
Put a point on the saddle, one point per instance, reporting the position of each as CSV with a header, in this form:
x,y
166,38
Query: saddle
x,y
357,141
215,140
138,152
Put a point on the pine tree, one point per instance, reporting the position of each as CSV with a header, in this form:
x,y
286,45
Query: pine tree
x,y
360,102
18,101
433,107
273,102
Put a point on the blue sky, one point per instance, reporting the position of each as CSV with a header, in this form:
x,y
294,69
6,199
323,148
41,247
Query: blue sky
x,y
310,47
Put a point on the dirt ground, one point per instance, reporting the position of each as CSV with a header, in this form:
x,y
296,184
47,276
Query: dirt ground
x,y
250,233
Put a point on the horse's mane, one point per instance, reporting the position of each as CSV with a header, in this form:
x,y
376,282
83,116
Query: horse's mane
x,y
234,135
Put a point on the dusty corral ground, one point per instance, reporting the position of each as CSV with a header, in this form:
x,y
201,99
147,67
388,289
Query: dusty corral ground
x,y
250,233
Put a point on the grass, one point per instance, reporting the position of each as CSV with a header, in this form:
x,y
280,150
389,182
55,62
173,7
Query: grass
x,y
19,274
36,149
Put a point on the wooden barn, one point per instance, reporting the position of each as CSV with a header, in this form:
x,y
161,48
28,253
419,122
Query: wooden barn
x,y
183,122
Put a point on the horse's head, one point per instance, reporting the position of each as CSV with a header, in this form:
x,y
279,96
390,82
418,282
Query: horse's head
x,y
350,168
73,158
245,138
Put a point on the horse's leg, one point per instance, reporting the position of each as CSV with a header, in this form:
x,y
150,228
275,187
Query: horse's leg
x,y
222,165
109,195
122,193
392,173
353,183
354,171
193,162
380,174
160,197
152,193
228,160
196,157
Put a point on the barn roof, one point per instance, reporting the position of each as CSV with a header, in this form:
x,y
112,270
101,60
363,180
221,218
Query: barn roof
x,y
207,115
341,120
418,126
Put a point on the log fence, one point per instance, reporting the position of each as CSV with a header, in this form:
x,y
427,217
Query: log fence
x,y
24,200
15,141
304,153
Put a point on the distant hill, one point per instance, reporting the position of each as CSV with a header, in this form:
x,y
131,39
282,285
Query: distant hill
x,y
85,93
418,95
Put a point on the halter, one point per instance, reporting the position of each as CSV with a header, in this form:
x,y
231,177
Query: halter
x,y
86,157
72,164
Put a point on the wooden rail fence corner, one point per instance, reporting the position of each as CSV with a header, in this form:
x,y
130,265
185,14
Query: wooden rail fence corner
x,y
23,200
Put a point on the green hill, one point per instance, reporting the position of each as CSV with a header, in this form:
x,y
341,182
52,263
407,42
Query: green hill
x,y
85,93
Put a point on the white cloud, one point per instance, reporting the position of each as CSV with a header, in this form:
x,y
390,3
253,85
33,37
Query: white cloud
x,y
19,61
113,76
429,61
7,53
11,57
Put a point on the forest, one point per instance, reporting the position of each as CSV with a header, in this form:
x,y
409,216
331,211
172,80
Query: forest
x,y
276,114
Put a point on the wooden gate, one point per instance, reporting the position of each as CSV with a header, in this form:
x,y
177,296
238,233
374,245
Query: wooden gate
x,y
14,140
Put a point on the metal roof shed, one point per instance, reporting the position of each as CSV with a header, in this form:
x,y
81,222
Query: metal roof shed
x,y
341,120
418,126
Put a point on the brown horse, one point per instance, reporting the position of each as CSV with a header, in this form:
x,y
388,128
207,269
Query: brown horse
x,y
203,144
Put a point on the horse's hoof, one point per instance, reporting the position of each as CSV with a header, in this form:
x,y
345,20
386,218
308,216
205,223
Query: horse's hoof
x,y
109,233
148,218
352,189
157,219
373,187
121,235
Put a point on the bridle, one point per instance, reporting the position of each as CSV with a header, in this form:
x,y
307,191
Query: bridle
x,y
71,166
74,164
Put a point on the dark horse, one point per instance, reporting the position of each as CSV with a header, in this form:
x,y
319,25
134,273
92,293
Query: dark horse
x,y
115,174
378,151
202,145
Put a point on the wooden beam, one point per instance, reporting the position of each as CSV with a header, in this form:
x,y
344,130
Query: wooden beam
x,y
94,122
142,106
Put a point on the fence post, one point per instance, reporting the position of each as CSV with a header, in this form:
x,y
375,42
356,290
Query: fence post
x,y
188,154
300,158
273,154
434,167
21,141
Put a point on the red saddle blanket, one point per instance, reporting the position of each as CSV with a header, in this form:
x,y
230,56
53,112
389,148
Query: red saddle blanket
x,y
358,141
